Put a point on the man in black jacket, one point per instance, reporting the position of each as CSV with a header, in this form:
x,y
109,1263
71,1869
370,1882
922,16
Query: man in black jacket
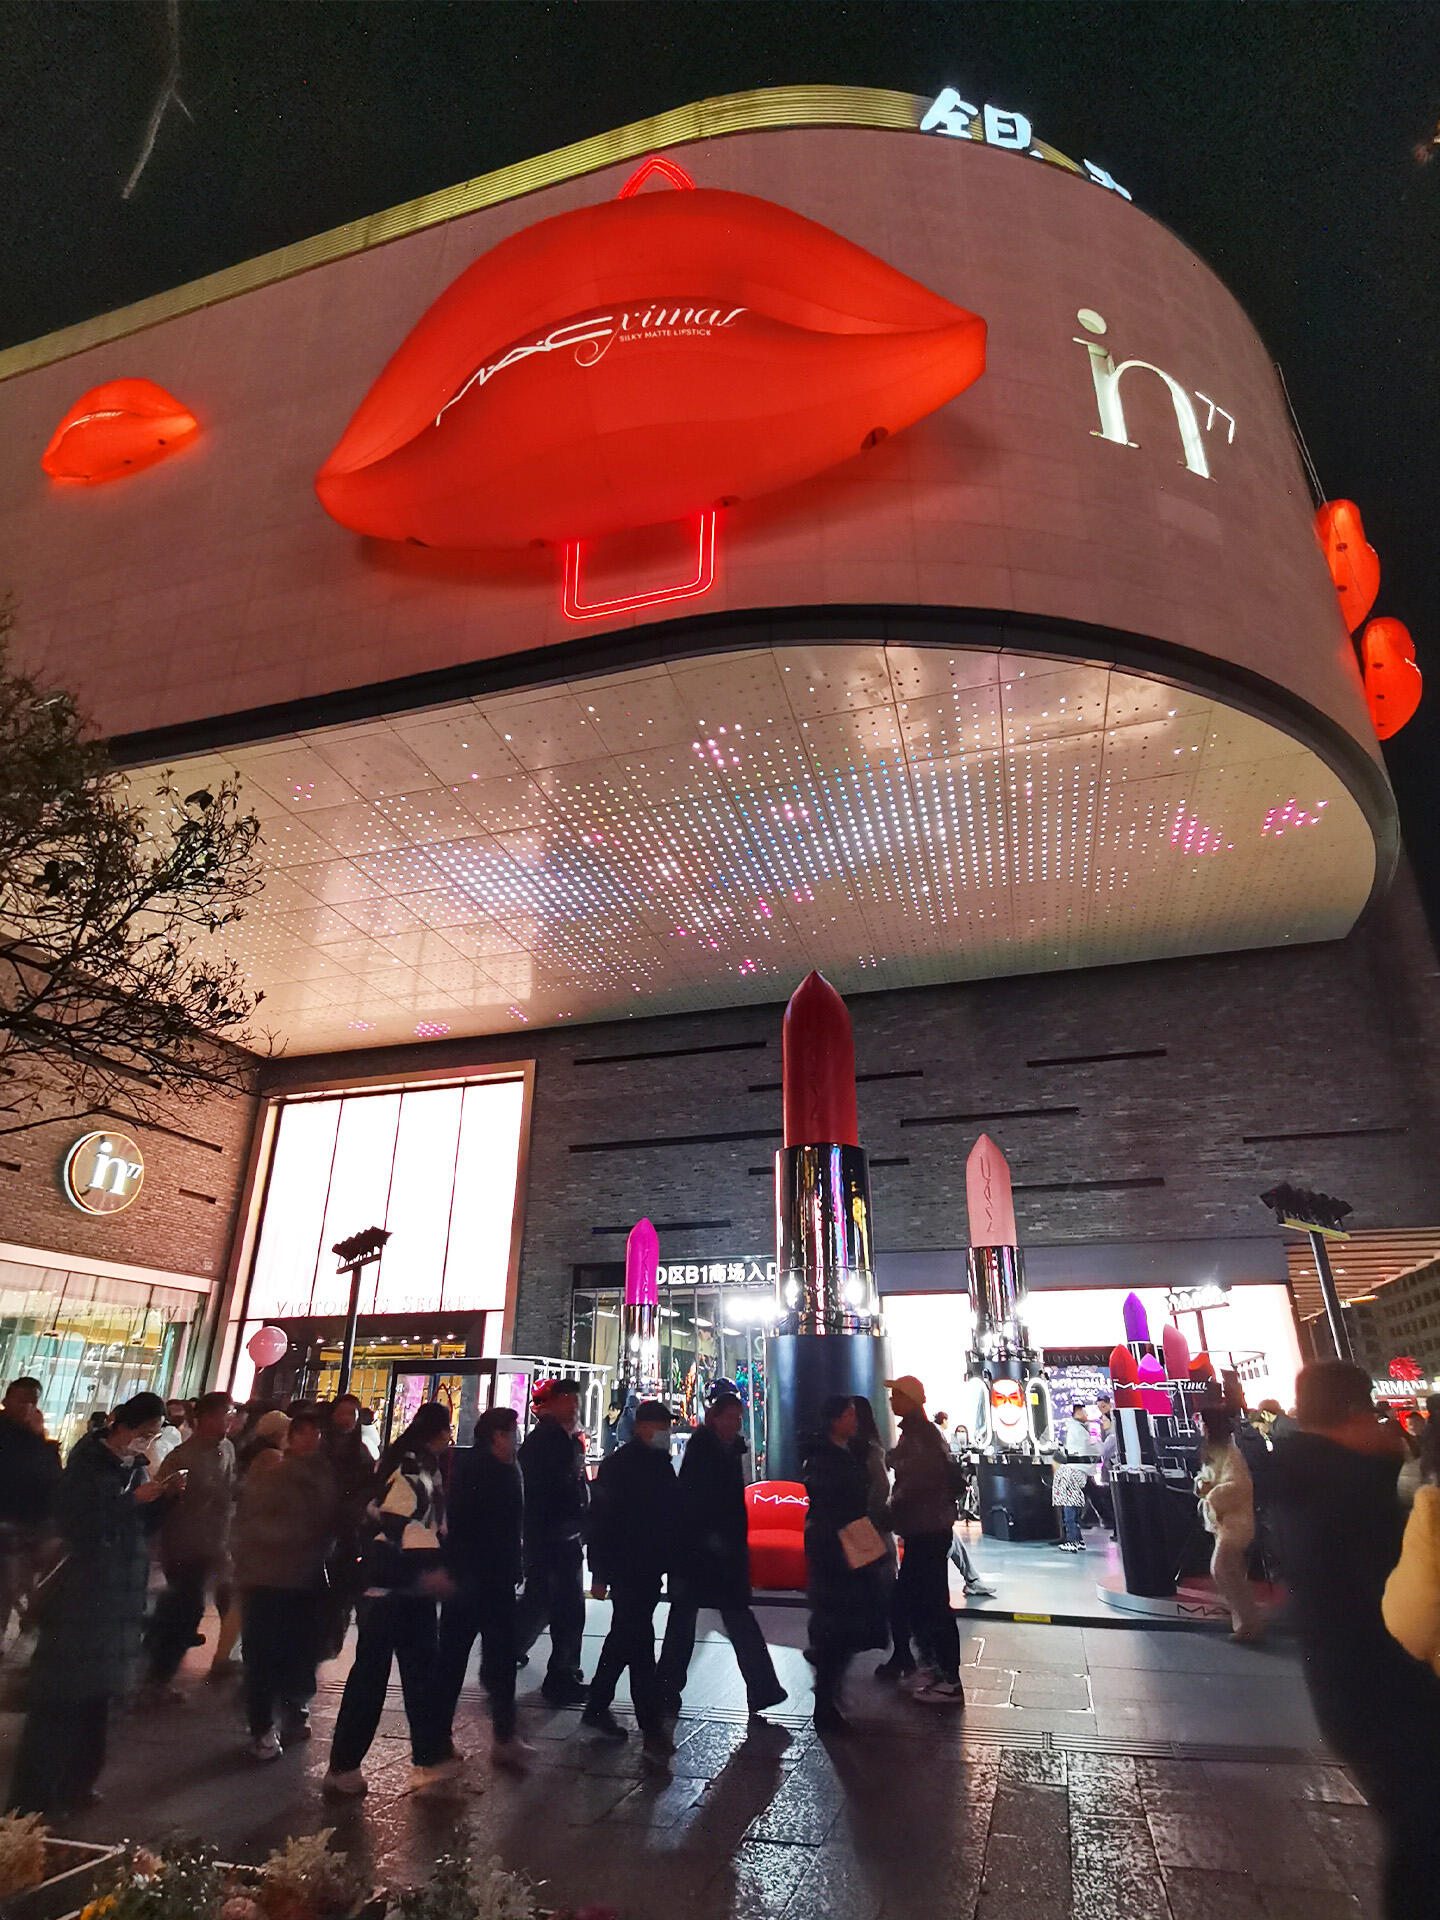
x,y
634,1538
715,1560
1340,1526
556,1496
483,1558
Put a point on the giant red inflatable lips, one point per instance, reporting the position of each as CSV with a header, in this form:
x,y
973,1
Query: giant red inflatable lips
x,y
637,362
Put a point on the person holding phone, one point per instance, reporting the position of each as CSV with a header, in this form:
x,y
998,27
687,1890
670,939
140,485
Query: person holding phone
x,y
194,1538
92,1610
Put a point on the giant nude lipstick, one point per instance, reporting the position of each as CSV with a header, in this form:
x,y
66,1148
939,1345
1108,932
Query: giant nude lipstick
x,y
828,1337
1009,1410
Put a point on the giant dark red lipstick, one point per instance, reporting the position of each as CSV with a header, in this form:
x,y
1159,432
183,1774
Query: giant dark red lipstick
x,y
828,1336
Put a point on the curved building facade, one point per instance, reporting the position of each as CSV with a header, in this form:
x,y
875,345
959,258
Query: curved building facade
x,y
950,674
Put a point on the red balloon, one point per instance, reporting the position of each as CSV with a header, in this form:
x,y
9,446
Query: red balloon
x,y
115,429
642,361
1392,680
1354,564
1123,1370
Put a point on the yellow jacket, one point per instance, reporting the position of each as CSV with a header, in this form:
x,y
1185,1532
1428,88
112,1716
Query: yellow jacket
x,y
1412,1593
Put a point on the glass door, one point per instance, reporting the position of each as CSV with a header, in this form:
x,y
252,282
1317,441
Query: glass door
x,y
466,1387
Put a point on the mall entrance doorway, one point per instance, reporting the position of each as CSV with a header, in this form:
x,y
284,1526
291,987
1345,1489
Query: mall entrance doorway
x,y
466,1387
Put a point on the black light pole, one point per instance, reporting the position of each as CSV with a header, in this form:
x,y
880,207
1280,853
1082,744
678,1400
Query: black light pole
x,y
1318,1216
358,1252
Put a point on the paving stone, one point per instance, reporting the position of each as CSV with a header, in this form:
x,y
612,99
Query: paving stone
x,y
1104,1784
1284,1781
836,1885
1310,1903
1277,1846
1068,1691
1114,1872
1195,1895
1033,1769
756,1884
1183,1840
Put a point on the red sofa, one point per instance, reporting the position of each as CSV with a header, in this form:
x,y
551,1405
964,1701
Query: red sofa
x,y
777,1511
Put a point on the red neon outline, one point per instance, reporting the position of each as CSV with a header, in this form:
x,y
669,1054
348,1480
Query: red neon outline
x,y
657,163
577,609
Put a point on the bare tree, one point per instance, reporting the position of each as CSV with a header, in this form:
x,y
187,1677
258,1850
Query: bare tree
x,y
116,994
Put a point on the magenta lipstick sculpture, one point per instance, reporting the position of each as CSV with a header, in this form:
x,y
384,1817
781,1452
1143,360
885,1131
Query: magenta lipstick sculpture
x,y
640,1316
1007,1408
828,1338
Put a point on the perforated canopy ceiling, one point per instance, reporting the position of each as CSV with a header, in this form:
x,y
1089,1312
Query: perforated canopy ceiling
x,y
701,834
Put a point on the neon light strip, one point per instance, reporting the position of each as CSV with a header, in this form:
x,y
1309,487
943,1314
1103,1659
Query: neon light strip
x,y
657,163
577,609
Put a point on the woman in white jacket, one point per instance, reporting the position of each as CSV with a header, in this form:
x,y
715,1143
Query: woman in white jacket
x,y
1227,1506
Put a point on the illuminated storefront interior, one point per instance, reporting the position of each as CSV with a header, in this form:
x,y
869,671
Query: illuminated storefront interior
x,y
437,1166
91,1338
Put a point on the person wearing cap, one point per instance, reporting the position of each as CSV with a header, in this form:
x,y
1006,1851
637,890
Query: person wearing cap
x,y
923,1512
552,1463
715,1565
634,1540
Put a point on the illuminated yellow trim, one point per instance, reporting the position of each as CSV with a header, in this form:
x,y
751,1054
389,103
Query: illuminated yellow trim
x,y
747,112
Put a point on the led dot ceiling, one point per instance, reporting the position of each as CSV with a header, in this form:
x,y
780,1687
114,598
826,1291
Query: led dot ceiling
x,y
703,833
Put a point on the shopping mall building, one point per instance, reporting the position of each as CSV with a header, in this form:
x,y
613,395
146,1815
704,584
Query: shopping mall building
x,y
696,592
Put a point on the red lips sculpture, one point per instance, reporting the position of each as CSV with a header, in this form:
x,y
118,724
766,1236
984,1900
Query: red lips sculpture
x,y
641,361
115,429
1392,679
1354,564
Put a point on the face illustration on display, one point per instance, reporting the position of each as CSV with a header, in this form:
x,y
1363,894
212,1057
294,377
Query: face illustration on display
x,y
639,362
1007,1406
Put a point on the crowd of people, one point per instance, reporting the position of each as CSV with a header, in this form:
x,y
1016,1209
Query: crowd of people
x,y
286,1520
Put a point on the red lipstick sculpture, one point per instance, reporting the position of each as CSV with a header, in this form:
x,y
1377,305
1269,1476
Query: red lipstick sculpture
x,y
828,1339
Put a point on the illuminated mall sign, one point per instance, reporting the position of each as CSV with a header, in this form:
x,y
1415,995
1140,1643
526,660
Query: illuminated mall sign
x,y
719,1273
103,1173
997,127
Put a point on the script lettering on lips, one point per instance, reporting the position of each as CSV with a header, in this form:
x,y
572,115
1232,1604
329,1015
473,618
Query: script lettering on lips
x,y
638,362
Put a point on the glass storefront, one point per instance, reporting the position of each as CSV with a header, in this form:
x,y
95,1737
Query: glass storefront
x,y
90,1340
708,1332
438,1167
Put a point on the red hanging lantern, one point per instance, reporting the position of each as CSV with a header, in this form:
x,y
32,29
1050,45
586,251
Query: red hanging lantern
x,y
1392,680
1354,564
641,361
117,428
1123,1369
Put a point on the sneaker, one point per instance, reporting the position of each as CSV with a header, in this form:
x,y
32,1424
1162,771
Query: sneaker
x,y
950,1693
349,1786
514,1754
602,1720
893,1669
266,1746
295,1726
977,1591
444,1773
774,1699
918,1678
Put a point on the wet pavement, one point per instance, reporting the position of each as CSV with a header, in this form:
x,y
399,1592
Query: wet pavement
x,y
1095,1773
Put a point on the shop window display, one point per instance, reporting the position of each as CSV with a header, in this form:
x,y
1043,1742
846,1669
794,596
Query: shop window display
x,y
90,1340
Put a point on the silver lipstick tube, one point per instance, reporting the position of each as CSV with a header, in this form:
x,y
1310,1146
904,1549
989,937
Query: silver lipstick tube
x,y
823,1241
998,1299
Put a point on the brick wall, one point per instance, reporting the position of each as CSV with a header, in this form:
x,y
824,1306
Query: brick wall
x,y
1320,1039
181,1221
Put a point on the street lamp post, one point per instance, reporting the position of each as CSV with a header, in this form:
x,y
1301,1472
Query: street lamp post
x,y
355,1254
1318,1216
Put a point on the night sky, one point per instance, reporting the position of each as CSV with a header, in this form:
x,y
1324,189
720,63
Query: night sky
x,y
1277,140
